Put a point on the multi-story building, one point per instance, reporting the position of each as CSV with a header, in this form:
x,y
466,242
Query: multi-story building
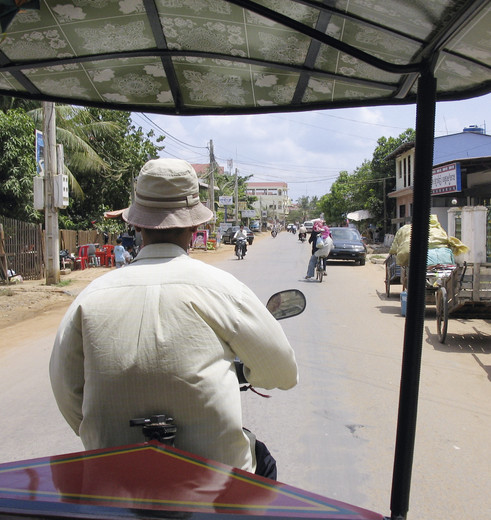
x,y
272,202
461,187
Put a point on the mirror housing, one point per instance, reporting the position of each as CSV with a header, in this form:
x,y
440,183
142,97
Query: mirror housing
x,y
286,304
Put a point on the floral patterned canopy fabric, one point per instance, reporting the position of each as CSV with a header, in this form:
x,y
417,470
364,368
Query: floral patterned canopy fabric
x,y
239,56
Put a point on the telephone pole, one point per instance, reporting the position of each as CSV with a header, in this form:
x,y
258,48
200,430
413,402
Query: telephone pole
x,y
212,182
50,210
236,197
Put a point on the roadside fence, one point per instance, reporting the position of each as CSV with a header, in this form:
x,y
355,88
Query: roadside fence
x,y
22,247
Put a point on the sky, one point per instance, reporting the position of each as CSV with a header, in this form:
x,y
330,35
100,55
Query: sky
x,y
306,150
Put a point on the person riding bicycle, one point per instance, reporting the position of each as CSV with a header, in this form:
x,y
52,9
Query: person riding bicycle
x,y
319,229
241,233
161,336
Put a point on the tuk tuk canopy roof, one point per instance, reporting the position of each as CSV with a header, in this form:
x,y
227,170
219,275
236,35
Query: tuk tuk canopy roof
x,y
238,56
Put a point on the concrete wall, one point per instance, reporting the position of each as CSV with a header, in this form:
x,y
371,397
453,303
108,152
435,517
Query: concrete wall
x,y
473,231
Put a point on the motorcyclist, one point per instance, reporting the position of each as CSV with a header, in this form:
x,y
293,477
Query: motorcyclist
x,y
302,232
241,233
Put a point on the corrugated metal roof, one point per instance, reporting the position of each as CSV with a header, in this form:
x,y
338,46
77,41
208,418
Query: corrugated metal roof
x,y
454,147
466,145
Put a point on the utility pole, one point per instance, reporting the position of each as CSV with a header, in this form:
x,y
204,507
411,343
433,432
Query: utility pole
x,y
385,208
236,197
50,211
212,182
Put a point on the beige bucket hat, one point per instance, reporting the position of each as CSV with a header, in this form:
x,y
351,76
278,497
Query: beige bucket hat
x,y
167,196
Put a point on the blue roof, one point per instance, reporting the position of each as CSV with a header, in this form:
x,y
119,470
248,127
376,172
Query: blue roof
x,y
458,147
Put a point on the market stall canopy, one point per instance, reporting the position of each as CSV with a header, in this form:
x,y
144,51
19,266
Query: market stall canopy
x,y
114,214
361,214
239,56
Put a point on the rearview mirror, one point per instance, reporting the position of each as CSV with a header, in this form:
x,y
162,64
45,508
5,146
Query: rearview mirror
x,y
286,304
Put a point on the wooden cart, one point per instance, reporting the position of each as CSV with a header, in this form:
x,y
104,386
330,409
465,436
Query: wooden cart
x,y
466,293
396,274
392,274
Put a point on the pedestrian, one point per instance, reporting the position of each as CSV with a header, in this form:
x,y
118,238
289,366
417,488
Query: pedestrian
x,y
119,250
161,336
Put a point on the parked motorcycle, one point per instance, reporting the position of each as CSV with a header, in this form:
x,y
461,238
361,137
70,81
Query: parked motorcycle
x,y
240,248
66,259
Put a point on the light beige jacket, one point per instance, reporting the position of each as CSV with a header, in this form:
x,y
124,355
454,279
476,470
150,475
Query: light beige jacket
x,y
160,336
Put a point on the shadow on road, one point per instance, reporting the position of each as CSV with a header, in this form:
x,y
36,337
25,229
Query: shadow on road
x,y
476,342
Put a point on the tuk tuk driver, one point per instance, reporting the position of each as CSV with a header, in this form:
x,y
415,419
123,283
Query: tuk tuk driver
x,y
161,336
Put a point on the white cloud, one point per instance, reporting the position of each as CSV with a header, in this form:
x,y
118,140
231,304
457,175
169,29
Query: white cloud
x,y
307,149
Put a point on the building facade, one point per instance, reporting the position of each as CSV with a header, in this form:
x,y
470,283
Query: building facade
x,y
461,186
273,202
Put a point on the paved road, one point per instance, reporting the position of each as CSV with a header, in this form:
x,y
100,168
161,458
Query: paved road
x,y
334,433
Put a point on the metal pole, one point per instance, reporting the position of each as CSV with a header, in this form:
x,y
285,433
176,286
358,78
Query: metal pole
x,y
50,211
413,334
236,197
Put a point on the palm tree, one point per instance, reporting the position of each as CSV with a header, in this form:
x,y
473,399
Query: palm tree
x,y
79,132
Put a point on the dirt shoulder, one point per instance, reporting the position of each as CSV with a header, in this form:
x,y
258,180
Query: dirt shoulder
x,y
32,298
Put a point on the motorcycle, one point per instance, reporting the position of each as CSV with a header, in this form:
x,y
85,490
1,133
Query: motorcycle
x,y
302,237
240,248
274,233
66,259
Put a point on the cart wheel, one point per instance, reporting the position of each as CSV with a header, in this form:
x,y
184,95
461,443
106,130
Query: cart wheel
x,y
387,282
441,313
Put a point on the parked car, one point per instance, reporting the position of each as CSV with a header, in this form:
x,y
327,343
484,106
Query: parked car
x,y
255,226
348,245
228,236
309,225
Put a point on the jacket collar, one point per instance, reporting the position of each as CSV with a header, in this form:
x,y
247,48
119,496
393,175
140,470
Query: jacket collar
x,y
160,251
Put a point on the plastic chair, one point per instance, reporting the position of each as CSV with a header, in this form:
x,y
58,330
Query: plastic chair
x,y
83,257
93,261
109,249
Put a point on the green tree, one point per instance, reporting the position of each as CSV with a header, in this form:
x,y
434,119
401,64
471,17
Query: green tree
x,y
304,206
123,151
384,169
79,131
367,187
339,200
226,184
17,165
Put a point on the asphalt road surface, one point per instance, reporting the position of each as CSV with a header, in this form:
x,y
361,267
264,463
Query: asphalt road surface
x,y
334,433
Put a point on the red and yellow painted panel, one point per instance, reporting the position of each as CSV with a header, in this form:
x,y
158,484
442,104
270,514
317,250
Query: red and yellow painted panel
x,y
152,477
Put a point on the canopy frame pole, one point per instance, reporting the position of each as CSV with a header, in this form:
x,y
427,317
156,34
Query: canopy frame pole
x,y
413,333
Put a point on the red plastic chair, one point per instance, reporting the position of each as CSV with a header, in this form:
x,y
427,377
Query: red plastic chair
x,y
83,257
109,249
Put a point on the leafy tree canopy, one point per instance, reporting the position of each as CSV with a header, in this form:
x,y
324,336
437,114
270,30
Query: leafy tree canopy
x,y
367,186
17,165
103,154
